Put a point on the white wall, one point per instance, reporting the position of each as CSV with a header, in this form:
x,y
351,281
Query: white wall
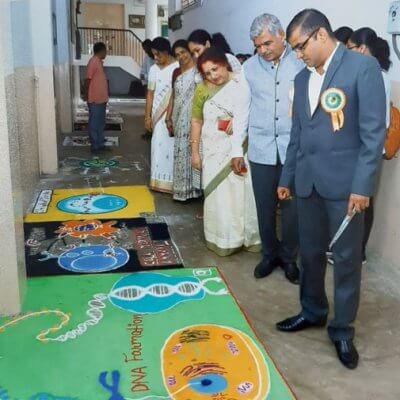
x,y
12,133
233,18
131,7
62,65
136,7
126,63
42,48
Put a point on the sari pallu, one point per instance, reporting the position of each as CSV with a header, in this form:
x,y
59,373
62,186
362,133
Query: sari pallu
x,y
162,145
230,218
183,188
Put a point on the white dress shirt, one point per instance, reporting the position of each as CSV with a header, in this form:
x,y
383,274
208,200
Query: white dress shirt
x,y
316,81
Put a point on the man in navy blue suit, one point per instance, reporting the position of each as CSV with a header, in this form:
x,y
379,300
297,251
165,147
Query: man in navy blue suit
x,y
334,152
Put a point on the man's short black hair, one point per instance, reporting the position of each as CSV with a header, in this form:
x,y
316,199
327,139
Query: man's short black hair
x,y
309,20
162,45
98,47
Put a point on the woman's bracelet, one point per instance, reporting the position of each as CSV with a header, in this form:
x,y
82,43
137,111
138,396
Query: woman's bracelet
x,y
147,118
193,141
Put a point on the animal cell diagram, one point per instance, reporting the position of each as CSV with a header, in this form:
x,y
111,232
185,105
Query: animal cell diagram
x,y
214,362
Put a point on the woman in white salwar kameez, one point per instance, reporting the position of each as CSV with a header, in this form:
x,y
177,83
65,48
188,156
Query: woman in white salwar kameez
x,y
159,90
219,122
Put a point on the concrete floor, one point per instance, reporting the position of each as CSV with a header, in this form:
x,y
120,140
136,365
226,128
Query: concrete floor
x,y
307,359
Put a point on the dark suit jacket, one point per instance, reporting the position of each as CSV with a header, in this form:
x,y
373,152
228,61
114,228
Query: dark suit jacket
x,y
343,162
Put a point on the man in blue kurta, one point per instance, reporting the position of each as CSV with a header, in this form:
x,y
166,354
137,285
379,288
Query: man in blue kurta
x,y
270,74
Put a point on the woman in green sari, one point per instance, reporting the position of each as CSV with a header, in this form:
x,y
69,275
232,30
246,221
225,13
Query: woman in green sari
x,y
219,123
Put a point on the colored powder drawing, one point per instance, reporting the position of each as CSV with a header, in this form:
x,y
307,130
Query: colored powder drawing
x,y
40,396
113,388
186,353
72,252
83,229
42,336
93,259
97,166
93,203
148,293
138,293
208,359
94,312
114,202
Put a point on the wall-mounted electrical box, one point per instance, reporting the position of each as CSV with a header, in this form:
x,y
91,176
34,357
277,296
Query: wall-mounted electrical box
x,y
394,18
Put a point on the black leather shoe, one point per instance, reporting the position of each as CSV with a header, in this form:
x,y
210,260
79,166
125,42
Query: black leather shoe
x,y
264,268
347,353
298,323
292,272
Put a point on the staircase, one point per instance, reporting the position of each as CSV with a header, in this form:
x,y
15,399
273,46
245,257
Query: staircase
x,y
124,52
119,42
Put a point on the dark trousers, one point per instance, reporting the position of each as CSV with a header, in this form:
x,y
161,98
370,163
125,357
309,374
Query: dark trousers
x,y
265,183
319,219
97,123
368,222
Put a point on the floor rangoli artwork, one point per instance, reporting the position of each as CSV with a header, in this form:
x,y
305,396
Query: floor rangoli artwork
x,y
177,334
99,166
94,246
107,203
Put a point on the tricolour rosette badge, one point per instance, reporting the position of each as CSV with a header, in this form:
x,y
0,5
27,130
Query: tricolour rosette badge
x,y
333,101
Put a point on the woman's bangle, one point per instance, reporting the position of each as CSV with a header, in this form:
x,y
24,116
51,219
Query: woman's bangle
x,y
193,141
147,118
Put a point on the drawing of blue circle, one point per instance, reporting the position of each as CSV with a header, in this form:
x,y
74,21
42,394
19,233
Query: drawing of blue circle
x,y
93,259
92,204
209,384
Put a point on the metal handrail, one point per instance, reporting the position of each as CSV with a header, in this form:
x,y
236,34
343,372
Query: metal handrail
x,y
119,42
112,29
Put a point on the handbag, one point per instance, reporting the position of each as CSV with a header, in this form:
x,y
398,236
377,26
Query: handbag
x,y
392,140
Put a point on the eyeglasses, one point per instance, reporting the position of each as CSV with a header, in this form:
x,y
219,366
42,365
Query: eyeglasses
x,y
302,46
